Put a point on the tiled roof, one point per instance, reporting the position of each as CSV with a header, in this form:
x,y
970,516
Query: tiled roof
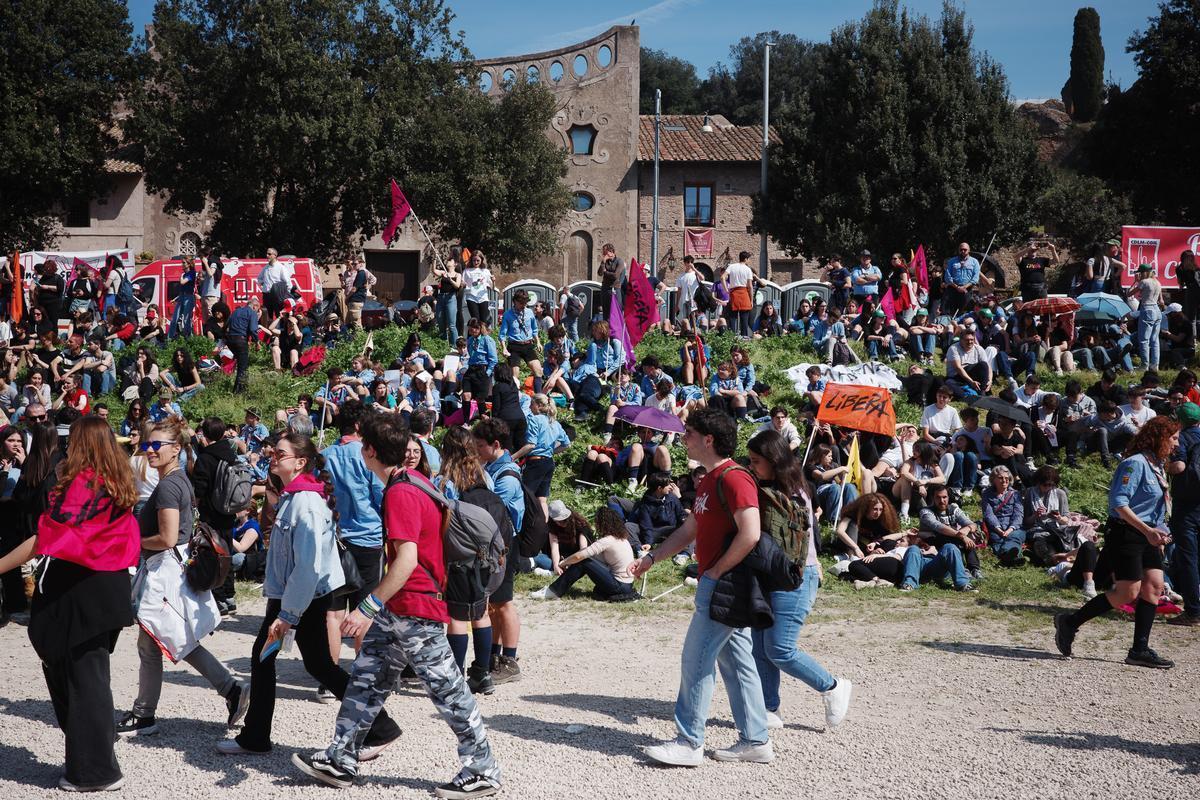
x,y
115,166
727,142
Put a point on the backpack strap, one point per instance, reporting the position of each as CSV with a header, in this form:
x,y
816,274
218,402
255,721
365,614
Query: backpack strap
x,y
402,476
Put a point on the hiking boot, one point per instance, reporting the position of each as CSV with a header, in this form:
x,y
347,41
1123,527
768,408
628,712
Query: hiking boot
x,y
1185,620
464,787
505,669
1064,633
837,702
747,751
237,702
319,766
133,725
479,680
1148,658
677,752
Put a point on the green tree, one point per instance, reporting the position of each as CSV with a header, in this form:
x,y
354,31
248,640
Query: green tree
x,y
675,77
287,117
1082,209
902,134
1144,143
1085,87
63,67
793,63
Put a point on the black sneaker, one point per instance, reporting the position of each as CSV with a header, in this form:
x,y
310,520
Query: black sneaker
x,y
320,767
238,701
479,679
133,725
1064,633
463,787
505,670
1148,658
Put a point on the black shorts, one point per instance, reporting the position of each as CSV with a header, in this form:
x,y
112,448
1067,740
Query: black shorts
x,y
504,594
519,352
370,567
477,382
536,475
1129,554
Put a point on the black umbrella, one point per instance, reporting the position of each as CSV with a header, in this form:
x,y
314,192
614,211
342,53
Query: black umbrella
x,y
1001,408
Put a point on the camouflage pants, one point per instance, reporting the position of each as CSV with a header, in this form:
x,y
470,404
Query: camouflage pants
x,y
392,643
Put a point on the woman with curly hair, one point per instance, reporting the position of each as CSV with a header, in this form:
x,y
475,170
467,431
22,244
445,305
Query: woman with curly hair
x,y
869,520
1138,501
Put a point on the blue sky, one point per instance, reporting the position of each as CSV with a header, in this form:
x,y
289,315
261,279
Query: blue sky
x,y
1031,38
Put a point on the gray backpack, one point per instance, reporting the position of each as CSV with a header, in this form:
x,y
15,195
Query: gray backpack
x,y
232,487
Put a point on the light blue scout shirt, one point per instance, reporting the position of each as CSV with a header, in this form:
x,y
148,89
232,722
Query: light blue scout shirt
x,y
520,327
1136,485
507,476
357,492
962,271
481,350
545,435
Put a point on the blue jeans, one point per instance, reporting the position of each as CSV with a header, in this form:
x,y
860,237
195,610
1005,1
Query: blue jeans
x,y
1003,544
1090,357
1148,327
181,319
1185,565
775,648
919,568
189,394
827,498
108,382
571,323
873,349
606,585
447,315
966,471
922,344
1121,355
710,646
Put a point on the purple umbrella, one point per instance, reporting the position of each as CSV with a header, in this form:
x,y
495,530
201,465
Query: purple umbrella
x,y
653,418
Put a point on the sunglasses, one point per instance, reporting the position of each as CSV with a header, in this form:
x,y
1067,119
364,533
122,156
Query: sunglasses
x,y
155,446
36,417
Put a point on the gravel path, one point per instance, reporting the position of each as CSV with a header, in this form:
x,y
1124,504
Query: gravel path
x,y
947,704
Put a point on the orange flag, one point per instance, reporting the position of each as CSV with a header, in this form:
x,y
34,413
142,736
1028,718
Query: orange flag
x,y
17,310
861,408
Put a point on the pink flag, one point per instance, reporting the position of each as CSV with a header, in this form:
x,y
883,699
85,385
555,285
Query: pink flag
x,y
400,211
922,267
888,304
641,307
616,325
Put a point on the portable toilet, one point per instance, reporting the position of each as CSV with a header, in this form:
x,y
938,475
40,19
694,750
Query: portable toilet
x,y
768,292
796,291
538,290
589,293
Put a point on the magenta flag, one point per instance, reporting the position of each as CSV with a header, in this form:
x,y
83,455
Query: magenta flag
x,y
888,304
400,211
922,266
641,307
616,325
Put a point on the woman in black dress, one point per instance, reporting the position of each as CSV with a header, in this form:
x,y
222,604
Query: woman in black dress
x,y
50,290
506,404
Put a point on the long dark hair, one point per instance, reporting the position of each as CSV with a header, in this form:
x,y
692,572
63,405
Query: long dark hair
x,y
305,448
43,452
185,365
411,346
789,474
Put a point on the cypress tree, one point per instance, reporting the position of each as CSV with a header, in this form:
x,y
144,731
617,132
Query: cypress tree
x,y
1086,84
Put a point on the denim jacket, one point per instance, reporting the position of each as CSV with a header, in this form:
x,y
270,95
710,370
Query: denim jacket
x,y
302,561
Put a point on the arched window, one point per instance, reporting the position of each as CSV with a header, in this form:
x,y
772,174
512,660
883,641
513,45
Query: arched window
x,y
579,256
189,244
485,82
580,65
532,75
583,139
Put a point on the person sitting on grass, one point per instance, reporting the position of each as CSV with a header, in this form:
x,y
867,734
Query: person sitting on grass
x,y
943,522
926,563
869,524
1003,516
640,458
660,510
780,423
917,475
606,561
568,531
726,391
625,393
829,481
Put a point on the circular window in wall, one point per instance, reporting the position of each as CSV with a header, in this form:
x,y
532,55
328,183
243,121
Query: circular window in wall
x,y
604,56
584,201
532,75
580,66
485,82
508,78
557,71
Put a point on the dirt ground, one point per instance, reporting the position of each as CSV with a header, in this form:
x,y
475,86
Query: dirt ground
x,y
947,704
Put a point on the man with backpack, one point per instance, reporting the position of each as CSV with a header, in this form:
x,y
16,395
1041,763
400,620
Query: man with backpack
x,y
215,485
572,310
403,620
1185,515
725,525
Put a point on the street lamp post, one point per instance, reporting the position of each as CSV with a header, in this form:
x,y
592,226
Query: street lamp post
x,y
658,126
766,141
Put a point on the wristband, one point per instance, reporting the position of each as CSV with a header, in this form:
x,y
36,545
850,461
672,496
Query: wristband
x,y
650,555
370,606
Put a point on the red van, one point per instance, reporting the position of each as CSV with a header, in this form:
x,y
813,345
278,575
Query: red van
x,y
158,281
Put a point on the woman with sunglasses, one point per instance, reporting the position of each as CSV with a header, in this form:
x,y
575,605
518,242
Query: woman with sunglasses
x,y
166,524
12,457
303,572
145,477
135,417
82,597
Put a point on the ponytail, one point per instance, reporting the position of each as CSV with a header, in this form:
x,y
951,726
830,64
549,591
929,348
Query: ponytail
x,y
307,449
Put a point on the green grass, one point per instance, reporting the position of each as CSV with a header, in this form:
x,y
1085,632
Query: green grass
x,y
1020,598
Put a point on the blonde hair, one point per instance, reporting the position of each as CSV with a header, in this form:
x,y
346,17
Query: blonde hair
x,y
544,402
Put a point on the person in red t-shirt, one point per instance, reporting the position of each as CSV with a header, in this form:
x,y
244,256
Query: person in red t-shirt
x,y
72,396
725,526
403,622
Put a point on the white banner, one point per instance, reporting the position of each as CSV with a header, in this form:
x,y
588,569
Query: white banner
x,y
65,259
870,373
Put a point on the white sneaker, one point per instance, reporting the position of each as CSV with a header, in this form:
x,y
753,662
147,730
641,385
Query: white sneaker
x,y
542,573
1172,595
860,585
677,753
774,721
543,594
633,484
745,751
883,583
1089,590
691,582
837,702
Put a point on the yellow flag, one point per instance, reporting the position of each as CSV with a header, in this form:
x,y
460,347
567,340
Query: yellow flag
x,y
854,464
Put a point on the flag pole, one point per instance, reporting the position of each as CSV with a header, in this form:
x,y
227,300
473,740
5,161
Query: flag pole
x,y
842,491
324,410
436,254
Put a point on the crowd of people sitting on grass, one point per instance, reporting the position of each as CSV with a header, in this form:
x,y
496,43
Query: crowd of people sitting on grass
x,y
512,395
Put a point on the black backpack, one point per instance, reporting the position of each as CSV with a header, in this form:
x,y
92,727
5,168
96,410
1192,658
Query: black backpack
x,y
125,291
208,561
534,531
574,305
704,300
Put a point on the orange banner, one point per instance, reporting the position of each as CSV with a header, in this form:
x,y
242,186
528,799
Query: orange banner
x,y
861,408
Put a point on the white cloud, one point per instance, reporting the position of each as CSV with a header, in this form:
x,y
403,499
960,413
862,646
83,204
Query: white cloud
x,y
649,15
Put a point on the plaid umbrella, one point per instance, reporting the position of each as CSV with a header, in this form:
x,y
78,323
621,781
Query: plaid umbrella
x,y
1051,305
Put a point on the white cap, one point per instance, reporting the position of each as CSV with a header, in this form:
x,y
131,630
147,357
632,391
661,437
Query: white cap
x,y
1174,308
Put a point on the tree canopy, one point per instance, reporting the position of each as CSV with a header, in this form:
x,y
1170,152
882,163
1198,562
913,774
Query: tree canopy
x,y
63,67
287,117
1144,143
1086,84
900,133
675,77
